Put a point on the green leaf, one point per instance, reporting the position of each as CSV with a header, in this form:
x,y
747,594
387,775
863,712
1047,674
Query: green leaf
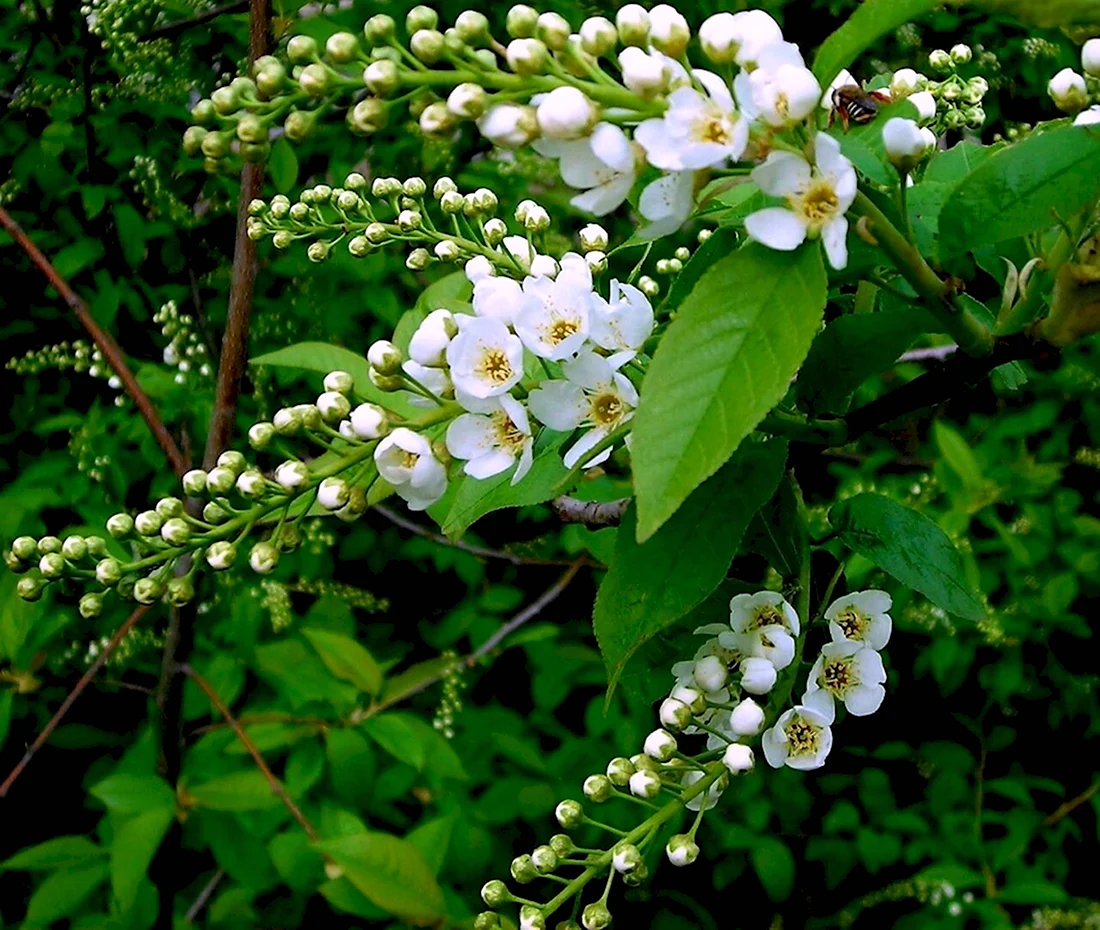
x,y
394,734
282,165
1047,14
247,790
1019,189
476,497
910,547
852,349
131,234
61,852
390,872
778,533
433,838
346,659
651,585
945,171
63,893
958,455
124,793
297,672
725,361
322,358
868,24
774,866
132,849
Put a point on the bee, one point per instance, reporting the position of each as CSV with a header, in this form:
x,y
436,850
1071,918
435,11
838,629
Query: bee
x,y
856,105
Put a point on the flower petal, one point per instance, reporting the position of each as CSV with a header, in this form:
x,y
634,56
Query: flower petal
x,y
777,228
782,174
470,435
561,405
489,464
612,146
834,236
864,699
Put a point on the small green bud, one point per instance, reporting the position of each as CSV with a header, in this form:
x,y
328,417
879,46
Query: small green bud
x,y
244,86
74,548
194,481
495,893
359,246
385,357
259,437
48,544
91,605
203,111
532,917
472,27
562,845
428,45
939,60
544,859
313,79
596,916
263,558
287,422
148,523
598,788
299,125
215,145
625,858
226,101
619,771
301,50
252,129
25,547
282,239
221,555
252,484
175,531
108,572
523,869
487,920
219,480
271,79
179,591
368,115
382,78
169,507
318,251
342,47
120,524
97,546
30,588
255,153
192,139
379,29
554,30
421,17
214,513
147,590
522,21
125,587
289,539
569,814
15,564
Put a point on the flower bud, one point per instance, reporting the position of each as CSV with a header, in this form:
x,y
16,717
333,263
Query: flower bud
x,y
596,262
668,30
596,916
648,286
738,758
1090,58
553,30
632,23
221,555
531,918
387,383
203,112
48,544
421,17
956,119
569,814
939,60
598,788
175,531
409,221
598,36
299,125
14,564
147,590
219,480
333,406
625,858
544,859
369,115
148,523
562,845
527,56
495,230
961,54
179,591
30,588
214,513
342,47
566,113
487,920
660,745
904,143
91,605
333,493
24,547
593,237
904,82
418,259
522,21
192,139
447,250
757,675
472,27
263,558
301,49
675,715
379,29
436,119
293,476
194,481
619,771
108,572
467,101
74,548
226,101
1068,91
645,784
215,144
925,104
747,718
313,79
271,80
250,128
251,484
710,673
644,74
523,869
975,117
385,357
495,893
428,45
681,850
52,565
120,524
231,459
317,251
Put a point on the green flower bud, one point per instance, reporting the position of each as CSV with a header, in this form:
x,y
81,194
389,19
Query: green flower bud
x,y
263,558
194,481
147,590
215,513
226,101
97,546
301,50
25,548
596,916
523,869
219,480
359,246
961,54
598,36
544,859
939,60
192,139
532,918
318,251
251,152
179,591
427,45
91,605
638,876
368,116
554,30
342,47
421,17
271,79
495,893
203,111
48,544
245,87
15,564
619,771
418,260
252,129
169,507
74,548
148,523
289,539
313,79
562,845
30,588
108,572
598,788
487,920
299,125
120,524
311,416
252,484
385,357
379,29
221,555
175,531
625,858
527,56
215,145
522,21
125,587
472,27
569,814
259,437
382,78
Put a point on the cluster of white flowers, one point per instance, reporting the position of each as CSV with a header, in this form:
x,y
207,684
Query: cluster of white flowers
x,y
1072,92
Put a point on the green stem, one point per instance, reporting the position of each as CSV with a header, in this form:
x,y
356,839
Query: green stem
x,y
968,331
820,432
1027,308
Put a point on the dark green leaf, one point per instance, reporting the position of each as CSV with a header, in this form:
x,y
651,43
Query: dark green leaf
x,y
125,793
132,849
1021,188
390,872
394,734
433,838
869,23
774,866
62,852
1048,14
346,659
247,790
283,165
296,670
910,547
777,531
131,233
725,361
650,585
62,894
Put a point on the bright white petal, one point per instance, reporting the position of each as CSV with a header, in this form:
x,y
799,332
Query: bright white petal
x,y
662,151
561,405
583,446
834,235
526,459
782,174
777,228
489,464
470,435
612,146
774,744
821,701
608,197
716,87
864,699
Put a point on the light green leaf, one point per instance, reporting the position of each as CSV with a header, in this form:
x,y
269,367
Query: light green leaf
x,y
124,793
61,852
63,893
295,670
868,24
393,733
433,838
390,872
774,866
322,358
945,171
132,849
650,585
910,547
726,360
346,659
1019,189
476,497
282,165
246,790
958,455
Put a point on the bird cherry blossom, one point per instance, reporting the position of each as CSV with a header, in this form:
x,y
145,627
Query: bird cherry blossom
x,y
602,166
428,345
849,672
817,198
861,617
764,626
493,439
486,358
800,739
624,321
405,460
553,320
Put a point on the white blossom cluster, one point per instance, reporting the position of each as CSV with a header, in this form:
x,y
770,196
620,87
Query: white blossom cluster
x,y
1072,92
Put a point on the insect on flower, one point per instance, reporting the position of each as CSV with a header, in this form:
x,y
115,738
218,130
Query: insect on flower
x,y
856,105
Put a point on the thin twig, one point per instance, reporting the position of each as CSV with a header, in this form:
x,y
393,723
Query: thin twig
x,y
1068,807
590,513
78,689
106,344
935,353
182,25
277,787
208,890
397,520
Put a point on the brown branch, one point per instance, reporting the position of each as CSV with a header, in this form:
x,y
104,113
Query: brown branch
x,y
168,30
85,680
590,513
106,344
1068,807
277,787
207,892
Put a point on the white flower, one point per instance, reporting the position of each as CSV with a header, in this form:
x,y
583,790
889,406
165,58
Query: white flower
x,y
436,380
849,672
428,345
738,758
929,137
1089,117
521,250
697,130
784,96
553,319
497,298
292,475
758,675
566,113
739,37
801,739
406,461
1068,91
861,617
644,73
925,104
707,799
746,718
491,442
904,82
477,268
764,626
682,850
509,125
603,166
817,199
905,143
594,394
710,673
844,79
667,202
369,421
486,358
623,323
1090,57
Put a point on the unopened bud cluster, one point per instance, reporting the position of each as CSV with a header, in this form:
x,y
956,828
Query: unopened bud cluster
x,y
79,356
1073,93
951,99
186,352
